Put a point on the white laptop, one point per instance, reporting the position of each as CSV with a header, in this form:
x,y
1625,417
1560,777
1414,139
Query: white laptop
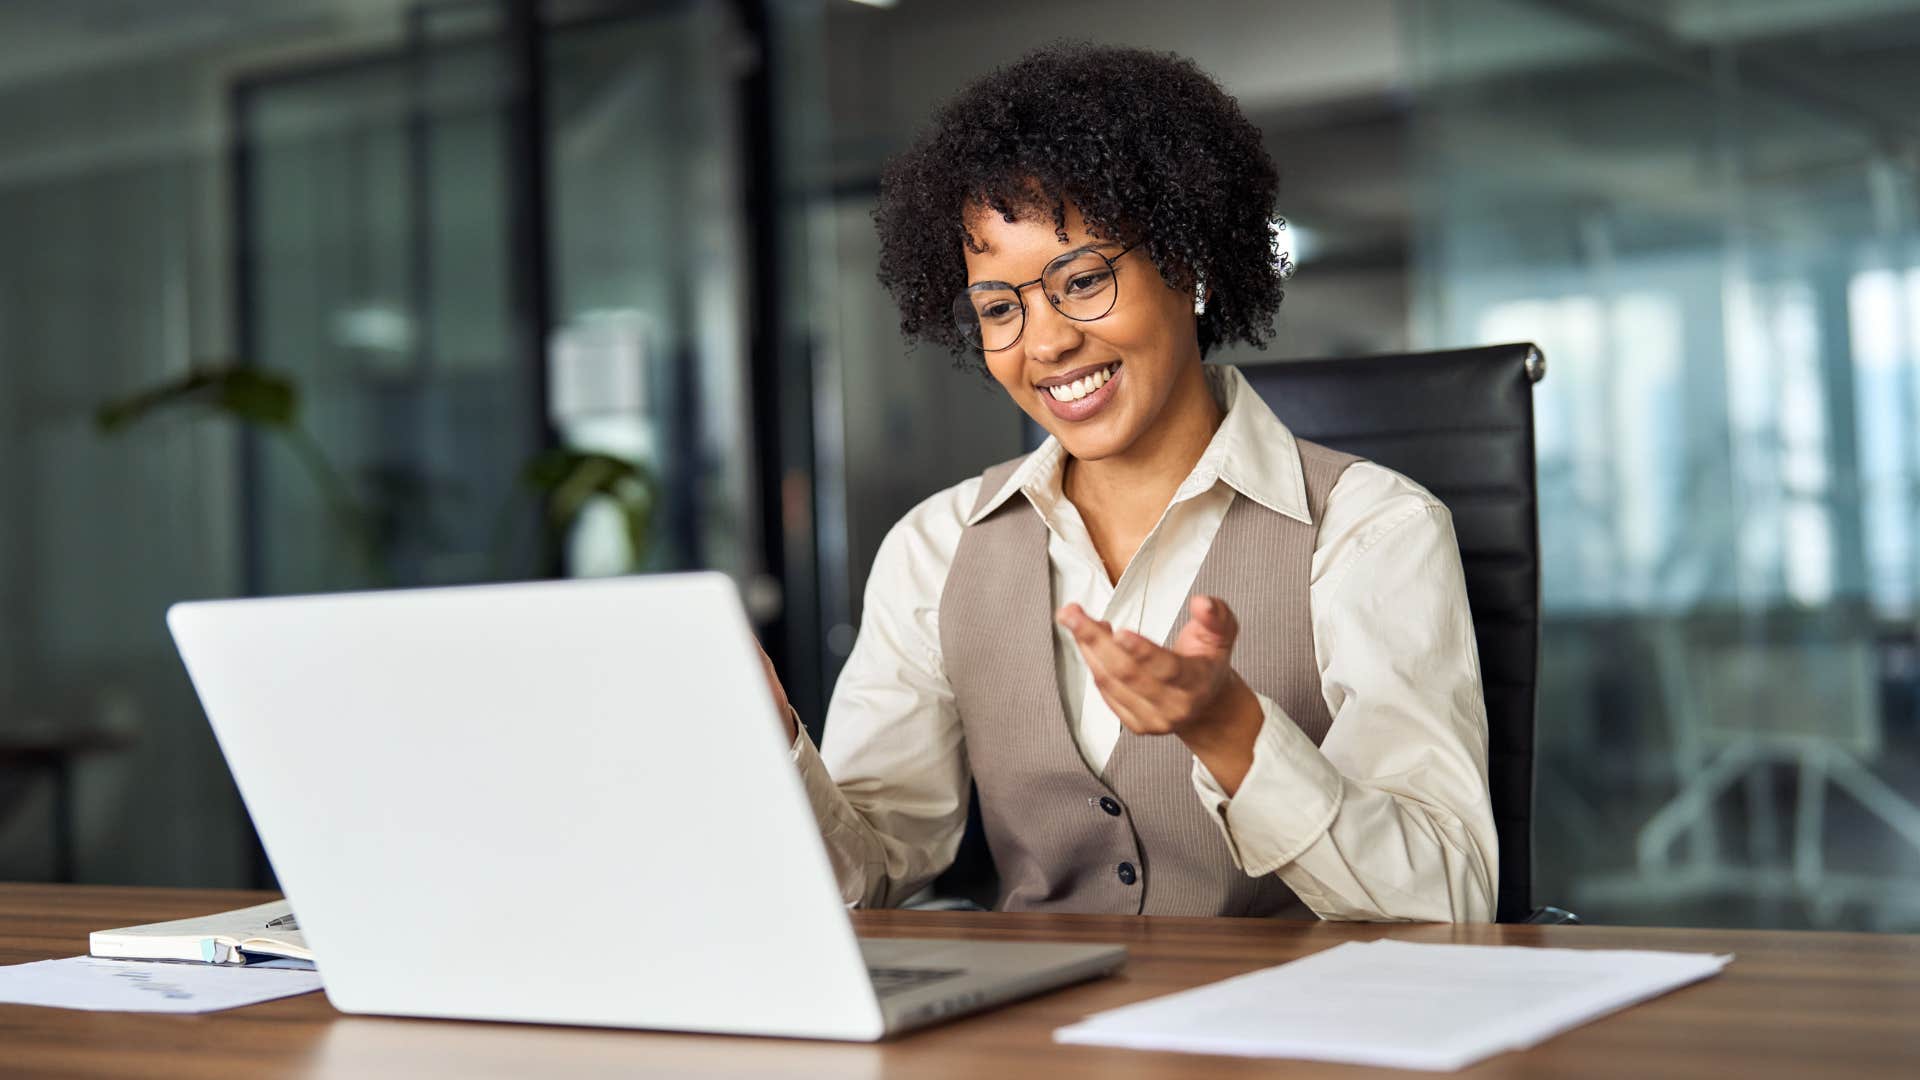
x,y
560,802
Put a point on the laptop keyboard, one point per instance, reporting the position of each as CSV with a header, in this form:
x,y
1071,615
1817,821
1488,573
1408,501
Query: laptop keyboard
x,y
888,981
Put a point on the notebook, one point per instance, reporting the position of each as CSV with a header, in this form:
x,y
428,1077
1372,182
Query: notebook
x,y
263,931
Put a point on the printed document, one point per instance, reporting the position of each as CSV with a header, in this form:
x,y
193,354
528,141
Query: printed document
x,y
1398,1004
90,982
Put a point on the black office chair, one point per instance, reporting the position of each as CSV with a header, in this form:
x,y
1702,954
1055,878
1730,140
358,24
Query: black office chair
x,y
1460,423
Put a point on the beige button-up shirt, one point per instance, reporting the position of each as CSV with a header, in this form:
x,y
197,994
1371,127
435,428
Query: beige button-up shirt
x,y
1388,818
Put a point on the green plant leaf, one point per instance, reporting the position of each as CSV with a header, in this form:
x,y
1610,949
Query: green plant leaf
x,y
269,402
568,481
241,393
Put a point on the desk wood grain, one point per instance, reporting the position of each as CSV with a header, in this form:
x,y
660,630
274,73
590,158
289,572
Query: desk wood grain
x,y
1791,1005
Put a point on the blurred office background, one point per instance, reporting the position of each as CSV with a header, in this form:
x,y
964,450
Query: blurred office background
x,y
399,280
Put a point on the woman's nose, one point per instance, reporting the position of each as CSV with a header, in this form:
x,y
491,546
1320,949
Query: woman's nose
x,y
1049,335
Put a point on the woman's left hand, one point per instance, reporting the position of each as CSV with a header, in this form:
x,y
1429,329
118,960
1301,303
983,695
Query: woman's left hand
x,y
1189,690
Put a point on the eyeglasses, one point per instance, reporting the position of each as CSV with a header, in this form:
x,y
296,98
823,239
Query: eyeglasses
x,y
991,315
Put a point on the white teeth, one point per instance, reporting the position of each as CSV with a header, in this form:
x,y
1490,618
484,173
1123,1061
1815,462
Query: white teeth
x,y
1083,386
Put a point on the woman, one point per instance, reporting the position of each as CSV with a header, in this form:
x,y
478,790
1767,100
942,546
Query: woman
x,y
1195,666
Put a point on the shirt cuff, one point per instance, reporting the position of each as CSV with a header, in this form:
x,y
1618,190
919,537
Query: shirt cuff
x,y
1288,800
821,790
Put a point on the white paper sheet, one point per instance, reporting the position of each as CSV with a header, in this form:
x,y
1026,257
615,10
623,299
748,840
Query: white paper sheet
x,y
90,982
1398,1004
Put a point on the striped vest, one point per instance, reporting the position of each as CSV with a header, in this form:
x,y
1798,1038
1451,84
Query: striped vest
x,y
1134,839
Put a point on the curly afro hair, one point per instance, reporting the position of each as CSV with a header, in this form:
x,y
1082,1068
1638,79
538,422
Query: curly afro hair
x,y
1147,146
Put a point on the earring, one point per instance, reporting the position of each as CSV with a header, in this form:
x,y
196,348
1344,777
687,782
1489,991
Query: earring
x,y
1199,295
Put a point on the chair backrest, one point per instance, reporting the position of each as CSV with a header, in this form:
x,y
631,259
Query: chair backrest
x,y
1459,423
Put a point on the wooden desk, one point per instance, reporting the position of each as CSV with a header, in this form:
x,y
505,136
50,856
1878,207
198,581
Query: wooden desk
x,y
1791,1005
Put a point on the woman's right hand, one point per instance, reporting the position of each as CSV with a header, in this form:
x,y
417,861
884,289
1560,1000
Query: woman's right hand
x,y
780,701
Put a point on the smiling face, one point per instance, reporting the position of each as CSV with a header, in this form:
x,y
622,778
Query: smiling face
x,y
1112,388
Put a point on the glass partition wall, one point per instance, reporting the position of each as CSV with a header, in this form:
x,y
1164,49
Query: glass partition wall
x,y
518,367
385,258
1704,213
389,293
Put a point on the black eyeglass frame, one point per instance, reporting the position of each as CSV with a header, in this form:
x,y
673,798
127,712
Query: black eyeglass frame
x,y
1019,291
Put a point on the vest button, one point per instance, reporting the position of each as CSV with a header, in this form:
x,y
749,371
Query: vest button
x,y
1127,876
1108,804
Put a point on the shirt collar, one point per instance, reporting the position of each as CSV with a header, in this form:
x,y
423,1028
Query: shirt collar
x,y
1253,452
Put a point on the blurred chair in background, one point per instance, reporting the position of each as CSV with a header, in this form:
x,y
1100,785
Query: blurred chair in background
x,y
1748,695
49,743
